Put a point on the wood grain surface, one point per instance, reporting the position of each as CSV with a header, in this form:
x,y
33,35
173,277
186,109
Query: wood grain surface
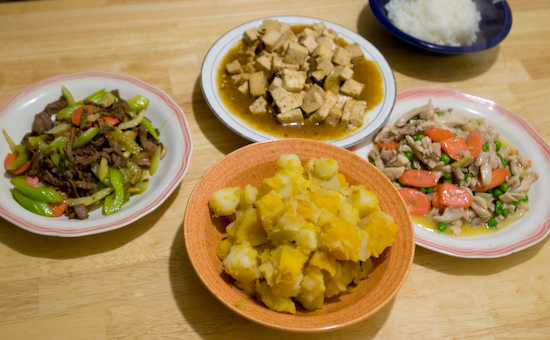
x,y
137,282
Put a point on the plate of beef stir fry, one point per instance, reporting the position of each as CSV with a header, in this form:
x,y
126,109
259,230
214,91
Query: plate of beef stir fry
x,y
89,152
474,175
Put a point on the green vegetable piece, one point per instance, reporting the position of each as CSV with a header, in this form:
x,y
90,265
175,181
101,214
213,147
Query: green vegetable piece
x,y
58,143
153,132
447,175
56,159
42,194
114,201
155,160
67,112
133,122
525,199
419,137
103,169
441,226
429,190
468,175
85,137
89,200
408,154
439,113
445,158
492,222
127,141
422,190
505,213
463,162
68,96
504,161
37,207
22,157
10,142
138,102
503,187
497,192
498,145
485,147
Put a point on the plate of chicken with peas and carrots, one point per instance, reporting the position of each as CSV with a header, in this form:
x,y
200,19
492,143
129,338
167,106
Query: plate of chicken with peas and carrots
x,y
474,175
89,152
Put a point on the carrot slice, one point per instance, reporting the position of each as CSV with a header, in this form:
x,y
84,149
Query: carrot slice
x,y
10,158
455,197
474,141
436,202
388,146
77,113
58,208
418,178
32,180
110,120
452,147
499,176
438,134
418,203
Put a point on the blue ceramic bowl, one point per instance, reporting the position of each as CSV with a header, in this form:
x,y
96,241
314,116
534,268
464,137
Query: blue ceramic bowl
x,y
496,21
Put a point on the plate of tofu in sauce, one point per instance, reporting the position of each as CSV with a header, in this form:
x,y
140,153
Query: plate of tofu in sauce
x,y
294,105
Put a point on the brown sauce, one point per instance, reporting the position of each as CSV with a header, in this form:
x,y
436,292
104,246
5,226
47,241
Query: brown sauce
x,y
366,72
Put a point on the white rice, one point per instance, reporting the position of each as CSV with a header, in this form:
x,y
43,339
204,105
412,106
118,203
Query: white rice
x,y
441,22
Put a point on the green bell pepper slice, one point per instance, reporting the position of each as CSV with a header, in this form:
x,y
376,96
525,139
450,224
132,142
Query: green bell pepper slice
x,y
67,112
126,140
42,194
149,128
58,143
138,102
85,137
37,207
114,201
22,157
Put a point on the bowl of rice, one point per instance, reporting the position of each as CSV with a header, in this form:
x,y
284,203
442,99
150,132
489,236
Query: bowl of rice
x,y
446,26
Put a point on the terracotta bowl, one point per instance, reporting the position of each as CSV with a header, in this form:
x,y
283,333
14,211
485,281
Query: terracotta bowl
x,y
249,165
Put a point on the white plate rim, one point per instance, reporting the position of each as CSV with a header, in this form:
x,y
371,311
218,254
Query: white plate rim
x,y
208,78
165,115
524,233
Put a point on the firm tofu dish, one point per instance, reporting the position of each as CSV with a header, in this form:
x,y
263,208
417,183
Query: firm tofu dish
x,y
300,77
454,170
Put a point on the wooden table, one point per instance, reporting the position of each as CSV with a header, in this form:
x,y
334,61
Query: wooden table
x,y
137,281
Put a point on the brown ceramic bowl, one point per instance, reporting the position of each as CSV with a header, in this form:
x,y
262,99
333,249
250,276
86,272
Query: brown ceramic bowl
x,y
249,165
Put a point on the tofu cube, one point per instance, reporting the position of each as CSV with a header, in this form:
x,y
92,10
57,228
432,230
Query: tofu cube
x,y
259,106
243,88
269,39
286,37
356,53
257,84
250,36
343,72
291,117
285,100
341,57
324,65
308,32
309,42
293,80
270,24
295,54
323,50
334,115
322,113
313,99
318,75
352,88
264,60
354,112
234,67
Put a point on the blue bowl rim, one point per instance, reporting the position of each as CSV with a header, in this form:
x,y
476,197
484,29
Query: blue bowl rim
x,y
380,14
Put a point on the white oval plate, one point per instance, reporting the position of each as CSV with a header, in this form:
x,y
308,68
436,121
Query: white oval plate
x,y
527,231
17,115
212,62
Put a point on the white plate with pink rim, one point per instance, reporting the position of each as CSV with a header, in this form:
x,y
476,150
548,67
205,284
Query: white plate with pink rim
x,y
17,114
376,115
519,235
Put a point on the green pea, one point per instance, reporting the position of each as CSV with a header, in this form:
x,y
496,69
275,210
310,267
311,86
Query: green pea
x,y
520,178
448,175
429,190
498,204
445,158
505,213
409,155
497,192
422,190
468,175
419,137
439,113
492,222
485,147
503,187
504,161
448,181
441,226
372,162
498,144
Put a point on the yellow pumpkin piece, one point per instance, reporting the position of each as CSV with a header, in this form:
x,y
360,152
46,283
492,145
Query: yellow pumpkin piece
x,y
329,203
340,239
249,229
381,229
342,180
268,185
223,248
312,289
272,301
324,261
270,207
